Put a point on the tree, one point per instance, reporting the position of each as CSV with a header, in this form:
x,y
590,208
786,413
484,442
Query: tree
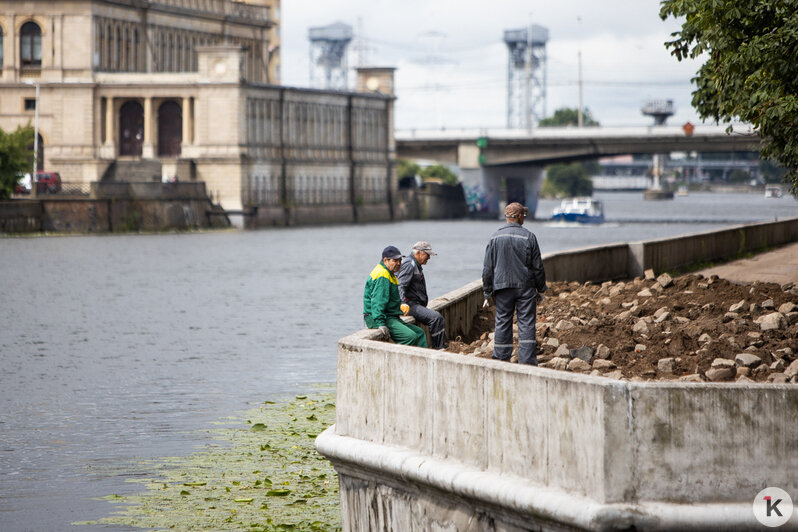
x,y
407,168
568,117
440,173
15,158
750,73
567,180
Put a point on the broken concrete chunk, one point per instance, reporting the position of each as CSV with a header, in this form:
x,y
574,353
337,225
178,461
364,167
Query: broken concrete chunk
x,y
666,366
584,353
601,364
577,364
737,307
720,374
602,351
774,320
747,360
665,280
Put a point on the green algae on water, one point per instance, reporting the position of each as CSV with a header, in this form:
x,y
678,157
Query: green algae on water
x,y
263,475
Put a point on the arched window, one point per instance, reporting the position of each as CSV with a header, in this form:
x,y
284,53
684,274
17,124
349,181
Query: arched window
x,y
30,45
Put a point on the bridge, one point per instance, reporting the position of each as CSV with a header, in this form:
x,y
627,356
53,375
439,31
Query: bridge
x,y
489,157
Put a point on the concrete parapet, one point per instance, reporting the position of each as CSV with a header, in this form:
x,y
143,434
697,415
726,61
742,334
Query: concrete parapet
x,y
531,447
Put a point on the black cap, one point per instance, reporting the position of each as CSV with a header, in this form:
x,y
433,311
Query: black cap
x,y
391,252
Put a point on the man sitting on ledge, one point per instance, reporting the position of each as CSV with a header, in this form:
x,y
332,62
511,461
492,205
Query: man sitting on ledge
x,y
381,303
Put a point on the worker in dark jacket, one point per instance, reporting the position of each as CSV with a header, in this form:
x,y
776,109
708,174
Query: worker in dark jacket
x,y
381,302
513,276
413,292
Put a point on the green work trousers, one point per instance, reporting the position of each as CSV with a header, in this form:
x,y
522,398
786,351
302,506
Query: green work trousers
x,y
401,332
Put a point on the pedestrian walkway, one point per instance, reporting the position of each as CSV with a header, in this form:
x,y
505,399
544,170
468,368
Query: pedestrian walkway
x,y
777,266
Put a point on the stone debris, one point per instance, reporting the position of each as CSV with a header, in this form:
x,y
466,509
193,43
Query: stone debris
x,y
666,366
720,331
747,359
665,280
774,320
737,307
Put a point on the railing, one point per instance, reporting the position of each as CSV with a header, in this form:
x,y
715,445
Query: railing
x,y
221,7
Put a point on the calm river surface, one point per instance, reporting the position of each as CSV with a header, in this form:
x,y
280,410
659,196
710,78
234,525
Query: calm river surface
x,y
118,348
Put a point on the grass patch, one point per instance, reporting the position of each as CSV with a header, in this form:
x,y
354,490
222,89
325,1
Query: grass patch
x,y
264,475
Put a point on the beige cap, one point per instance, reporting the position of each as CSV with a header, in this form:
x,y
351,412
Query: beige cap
x,y
423,246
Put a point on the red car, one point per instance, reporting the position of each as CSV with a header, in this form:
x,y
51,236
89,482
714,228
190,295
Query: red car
x,y
48,182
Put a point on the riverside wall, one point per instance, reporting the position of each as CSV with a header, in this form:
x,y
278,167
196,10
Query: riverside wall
x,y
115,207
429,440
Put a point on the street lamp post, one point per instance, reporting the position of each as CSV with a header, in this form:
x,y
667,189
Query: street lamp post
x,y
35,139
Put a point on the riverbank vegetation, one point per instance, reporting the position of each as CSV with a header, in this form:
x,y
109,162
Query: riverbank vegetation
x,y
262,475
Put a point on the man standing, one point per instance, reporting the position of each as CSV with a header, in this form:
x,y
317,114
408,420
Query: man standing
x,y
381,302
413,292
513,275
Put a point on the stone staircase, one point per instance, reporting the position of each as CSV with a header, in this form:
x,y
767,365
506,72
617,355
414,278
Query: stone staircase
x,y
133,171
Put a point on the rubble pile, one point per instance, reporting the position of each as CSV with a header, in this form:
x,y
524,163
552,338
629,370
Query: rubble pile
x,y
690,328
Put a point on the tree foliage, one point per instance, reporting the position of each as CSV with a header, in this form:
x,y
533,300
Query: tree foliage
x,y
567,180
15,158
750,73
568,117
439,172
407,168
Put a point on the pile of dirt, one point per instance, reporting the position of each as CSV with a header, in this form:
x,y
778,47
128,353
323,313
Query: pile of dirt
x,y
689,328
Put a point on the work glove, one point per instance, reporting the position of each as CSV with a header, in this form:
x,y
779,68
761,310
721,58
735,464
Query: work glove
x,y
405,308
385,332
485,304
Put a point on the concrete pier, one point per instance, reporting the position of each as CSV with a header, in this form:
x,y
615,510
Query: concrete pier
x,y
426,440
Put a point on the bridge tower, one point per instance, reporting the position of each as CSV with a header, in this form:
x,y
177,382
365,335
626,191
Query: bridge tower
x,y
328,65
660,110
526,76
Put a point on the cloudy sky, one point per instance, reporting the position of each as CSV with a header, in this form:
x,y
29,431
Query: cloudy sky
x,y
452,62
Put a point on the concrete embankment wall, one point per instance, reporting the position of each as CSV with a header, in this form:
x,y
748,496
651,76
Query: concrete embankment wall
x,y
114,207
426,440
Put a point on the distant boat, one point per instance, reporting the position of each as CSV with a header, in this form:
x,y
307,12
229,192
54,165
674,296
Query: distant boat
x,y
581,210
682,191
773,191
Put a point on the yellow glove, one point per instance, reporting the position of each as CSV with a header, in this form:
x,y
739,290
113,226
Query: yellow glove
x,y
405,308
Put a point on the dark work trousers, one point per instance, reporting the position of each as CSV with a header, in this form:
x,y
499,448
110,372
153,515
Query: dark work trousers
x,y
435,322
509,300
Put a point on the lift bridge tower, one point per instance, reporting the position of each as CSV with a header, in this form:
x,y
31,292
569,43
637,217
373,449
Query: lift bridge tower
x,y
526,76
328,64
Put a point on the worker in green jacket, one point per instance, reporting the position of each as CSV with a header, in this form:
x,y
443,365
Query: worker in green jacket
x,y
381,303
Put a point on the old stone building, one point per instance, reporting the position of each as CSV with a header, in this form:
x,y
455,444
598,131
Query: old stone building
x,y
142,90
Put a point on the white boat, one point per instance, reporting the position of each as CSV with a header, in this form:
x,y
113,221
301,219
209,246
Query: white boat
x,y
682,191
773,191
581,210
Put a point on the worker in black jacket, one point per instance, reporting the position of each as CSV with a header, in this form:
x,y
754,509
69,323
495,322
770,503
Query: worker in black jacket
x,y
413,292
513,275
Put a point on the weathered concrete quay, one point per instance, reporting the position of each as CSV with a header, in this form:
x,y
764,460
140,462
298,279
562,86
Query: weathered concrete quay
x,y
426,440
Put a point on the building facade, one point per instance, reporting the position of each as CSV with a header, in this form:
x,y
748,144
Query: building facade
x,y
188,90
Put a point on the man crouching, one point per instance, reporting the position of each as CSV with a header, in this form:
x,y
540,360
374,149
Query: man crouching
x,y
381,303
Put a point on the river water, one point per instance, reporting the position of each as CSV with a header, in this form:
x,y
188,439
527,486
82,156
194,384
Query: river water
x,y
117,348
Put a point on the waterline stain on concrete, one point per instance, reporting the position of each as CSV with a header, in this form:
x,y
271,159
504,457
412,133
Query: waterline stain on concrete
x,y
261,475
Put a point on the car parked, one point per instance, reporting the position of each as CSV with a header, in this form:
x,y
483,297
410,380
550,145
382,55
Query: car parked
x,y
48,182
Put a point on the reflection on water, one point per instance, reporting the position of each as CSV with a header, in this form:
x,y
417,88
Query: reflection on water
x,y
115,348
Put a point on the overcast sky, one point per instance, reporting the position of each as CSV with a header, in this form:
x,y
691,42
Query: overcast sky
x,y
459,78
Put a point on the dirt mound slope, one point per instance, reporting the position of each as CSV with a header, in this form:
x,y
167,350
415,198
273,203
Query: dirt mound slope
x,y
688,328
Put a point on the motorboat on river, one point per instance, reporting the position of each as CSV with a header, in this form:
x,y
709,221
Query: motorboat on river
x,y
773,191
581,210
